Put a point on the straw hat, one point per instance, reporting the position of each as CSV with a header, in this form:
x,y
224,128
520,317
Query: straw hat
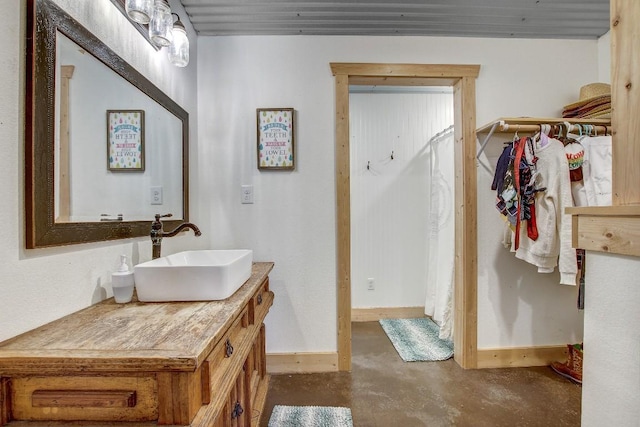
x,y
606,114
589,93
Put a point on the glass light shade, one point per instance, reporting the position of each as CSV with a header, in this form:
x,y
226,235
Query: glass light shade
x,y
161,24
139,10
179,48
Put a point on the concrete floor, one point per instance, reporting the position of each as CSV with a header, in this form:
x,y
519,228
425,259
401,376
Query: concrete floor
x,y
382,390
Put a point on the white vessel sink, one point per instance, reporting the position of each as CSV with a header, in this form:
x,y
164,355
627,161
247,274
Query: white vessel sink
x,y
203,275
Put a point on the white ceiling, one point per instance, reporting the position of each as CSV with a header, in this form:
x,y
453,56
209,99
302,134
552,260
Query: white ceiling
x,y
566,19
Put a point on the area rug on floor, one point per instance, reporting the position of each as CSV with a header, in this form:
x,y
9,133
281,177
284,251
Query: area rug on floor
x,y
310,416
416,340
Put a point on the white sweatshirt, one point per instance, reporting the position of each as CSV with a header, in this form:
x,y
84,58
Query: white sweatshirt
x,y
553,246
595,188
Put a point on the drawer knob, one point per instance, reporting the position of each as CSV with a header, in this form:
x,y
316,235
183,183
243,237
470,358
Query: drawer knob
x,y
259,299
237,410
228,348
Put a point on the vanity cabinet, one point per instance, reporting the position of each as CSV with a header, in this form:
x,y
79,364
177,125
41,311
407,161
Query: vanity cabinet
x,y
144,364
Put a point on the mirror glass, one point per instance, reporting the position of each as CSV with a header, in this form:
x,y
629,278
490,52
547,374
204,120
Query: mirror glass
x,y
105,149
97,180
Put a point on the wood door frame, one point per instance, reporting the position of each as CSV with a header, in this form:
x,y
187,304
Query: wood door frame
x,y
463,79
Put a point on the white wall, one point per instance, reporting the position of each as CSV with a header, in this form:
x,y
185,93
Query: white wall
x,y
293,219
604,58
41,285
390,201
611,367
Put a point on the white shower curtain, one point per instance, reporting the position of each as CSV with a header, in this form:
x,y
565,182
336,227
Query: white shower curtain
x,y
441,244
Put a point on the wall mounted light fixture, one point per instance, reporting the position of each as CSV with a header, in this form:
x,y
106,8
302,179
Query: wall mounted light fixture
x,y
156,19
161,24
139,10
179,48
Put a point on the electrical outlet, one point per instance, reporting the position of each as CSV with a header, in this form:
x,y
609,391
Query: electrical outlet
x,y
247,194
156,195
371,284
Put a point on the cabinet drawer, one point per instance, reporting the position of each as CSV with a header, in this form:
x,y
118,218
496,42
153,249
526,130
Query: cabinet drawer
x,y
236,411
259,304
223,355
84,398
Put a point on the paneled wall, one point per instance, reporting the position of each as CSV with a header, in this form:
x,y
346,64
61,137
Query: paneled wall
x,y
390,198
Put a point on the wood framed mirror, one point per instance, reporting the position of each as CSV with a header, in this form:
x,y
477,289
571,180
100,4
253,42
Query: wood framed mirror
x,y
71,195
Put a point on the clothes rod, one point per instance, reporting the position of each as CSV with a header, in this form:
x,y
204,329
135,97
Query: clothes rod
x,y
599,129
502,126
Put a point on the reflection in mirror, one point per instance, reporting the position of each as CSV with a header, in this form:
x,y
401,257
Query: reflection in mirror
x,y
86,189
73,80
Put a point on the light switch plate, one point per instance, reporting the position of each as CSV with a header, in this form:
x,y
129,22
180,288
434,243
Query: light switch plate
x,y
156,195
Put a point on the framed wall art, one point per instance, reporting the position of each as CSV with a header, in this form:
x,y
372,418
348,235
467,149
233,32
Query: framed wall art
x,y
125,140
275,138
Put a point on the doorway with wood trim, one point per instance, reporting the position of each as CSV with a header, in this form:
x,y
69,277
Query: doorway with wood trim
x,y
462,79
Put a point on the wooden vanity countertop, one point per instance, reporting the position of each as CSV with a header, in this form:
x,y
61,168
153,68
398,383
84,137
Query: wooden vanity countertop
x,y
132,337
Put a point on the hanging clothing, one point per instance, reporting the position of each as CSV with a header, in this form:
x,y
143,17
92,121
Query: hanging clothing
x,y
553,246
515,185
596,188
441,246
502,166
525,183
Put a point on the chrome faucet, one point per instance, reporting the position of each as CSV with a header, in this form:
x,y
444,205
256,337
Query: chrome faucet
x,y
157,233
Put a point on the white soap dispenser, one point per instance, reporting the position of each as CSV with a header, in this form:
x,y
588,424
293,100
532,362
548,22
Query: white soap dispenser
x,y
122,282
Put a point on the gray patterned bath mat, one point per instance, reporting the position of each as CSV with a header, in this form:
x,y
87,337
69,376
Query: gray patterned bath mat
x,y
310,416
416,340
